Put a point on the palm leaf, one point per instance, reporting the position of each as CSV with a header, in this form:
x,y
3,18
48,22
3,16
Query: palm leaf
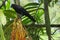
x,y
31,4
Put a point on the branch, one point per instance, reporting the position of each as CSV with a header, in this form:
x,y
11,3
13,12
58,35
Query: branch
x,y
47,19
42,25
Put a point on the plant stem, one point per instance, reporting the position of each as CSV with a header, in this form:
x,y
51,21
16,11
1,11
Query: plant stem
x,y
47,19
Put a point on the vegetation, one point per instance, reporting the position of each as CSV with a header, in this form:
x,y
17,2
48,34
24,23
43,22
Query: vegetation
x,y
13,27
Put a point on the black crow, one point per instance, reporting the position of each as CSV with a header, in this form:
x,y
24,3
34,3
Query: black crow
x,y
20,10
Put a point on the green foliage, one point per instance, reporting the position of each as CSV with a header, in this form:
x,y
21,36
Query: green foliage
x,y
31,8
2,17
35,9
10,14
8,4
2,22
53,2
1,33
38,15
31,4
40,1
56,1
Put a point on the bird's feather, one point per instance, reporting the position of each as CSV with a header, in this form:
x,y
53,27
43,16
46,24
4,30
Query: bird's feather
x,y
22,11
